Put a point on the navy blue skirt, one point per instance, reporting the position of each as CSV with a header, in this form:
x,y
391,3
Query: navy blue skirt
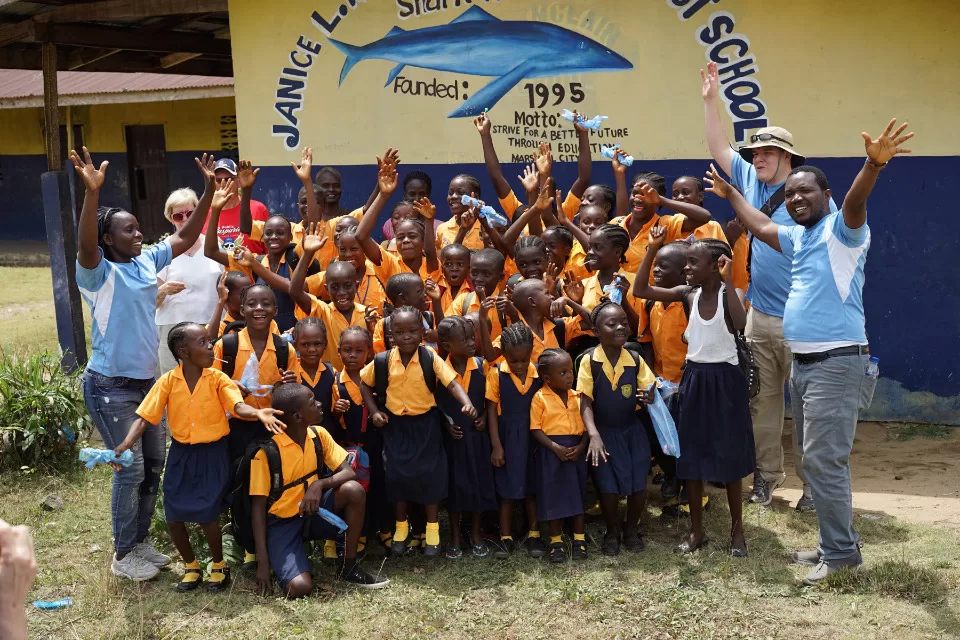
x,y
471,474
414,462
196,481
515,479
715,430
625,471
561,486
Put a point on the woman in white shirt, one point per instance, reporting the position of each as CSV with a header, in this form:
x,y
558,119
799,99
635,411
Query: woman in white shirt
x,y
187,287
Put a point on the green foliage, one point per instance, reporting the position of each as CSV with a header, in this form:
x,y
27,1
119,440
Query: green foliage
x,y
903,431
42,414
893,578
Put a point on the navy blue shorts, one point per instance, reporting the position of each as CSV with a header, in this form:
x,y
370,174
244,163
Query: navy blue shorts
x,y
285,537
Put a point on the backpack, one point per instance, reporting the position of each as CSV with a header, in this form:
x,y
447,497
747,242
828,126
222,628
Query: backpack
x,y
231,343
745,360
292,260
241,509
381,371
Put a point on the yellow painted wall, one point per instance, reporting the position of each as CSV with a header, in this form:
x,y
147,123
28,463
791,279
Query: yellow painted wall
x,y
189,125
827,70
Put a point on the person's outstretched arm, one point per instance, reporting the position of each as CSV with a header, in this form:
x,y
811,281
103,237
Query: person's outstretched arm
x,y
211,243
490,159
88,245
305,175
187,236
18,568
311,243
760,225
584,162
620,180
717,140
879,152
738,313
641,285
246,179
696,216
387,184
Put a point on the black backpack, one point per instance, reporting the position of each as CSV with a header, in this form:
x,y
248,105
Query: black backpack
x,y
745,359
292,260
231,343
381,371
241,509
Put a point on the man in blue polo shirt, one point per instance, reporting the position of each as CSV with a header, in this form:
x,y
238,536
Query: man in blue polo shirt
x,y
824,326
759,170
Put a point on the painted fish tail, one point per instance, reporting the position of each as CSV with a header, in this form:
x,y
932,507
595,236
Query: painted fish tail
x,y
354,55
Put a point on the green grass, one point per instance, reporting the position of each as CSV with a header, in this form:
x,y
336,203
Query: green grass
x,y
908,590
903,431
27,320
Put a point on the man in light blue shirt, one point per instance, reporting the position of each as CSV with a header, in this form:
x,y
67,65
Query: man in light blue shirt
x,y
759,170
824,326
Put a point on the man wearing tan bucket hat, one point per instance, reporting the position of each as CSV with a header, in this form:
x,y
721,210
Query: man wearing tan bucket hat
x,y
759,170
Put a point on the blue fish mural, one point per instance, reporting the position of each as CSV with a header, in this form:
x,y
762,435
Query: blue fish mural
x,y
477,43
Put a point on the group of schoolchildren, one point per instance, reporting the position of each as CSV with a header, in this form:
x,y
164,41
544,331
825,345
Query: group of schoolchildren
x,y
482,367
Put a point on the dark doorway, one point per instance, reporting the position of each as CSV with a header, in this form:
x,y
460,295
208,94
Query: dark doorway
x,y
149,182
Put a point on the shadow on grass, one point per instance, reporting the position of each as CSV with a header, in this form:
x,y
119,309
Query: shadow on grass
x,y
903,580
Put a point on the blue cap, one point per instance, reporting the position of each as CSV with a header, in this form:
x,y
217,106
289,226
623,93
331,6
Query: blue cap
x,y
226,163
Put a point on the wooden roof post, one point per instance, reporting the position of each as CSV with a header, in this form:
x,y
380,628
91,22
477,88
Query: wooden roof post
x,y
58,219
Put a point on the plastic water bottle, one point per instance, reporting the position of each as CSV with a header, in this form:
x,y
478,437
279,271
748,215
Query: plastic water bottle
x,y
873,367
486,211
625,160
92,457
593,123
614,292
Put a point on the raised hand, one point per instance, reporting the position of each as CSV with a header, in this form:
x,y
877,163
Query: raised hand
x,y
530,178
205,163
223,193
482,123
887,145
244,257
711,82
717,185
619,168
306,164
576,121
468,218
92,177
550,276
432,290
656,237
649,195
572,287
425,208
288,377
545,199
391,157
246,174
222,292
370,318
387,176
314,238
543,159
733,231
725,265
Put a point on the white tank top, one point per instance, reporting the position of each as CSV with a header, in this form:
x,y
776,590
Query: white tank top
x,y
709,340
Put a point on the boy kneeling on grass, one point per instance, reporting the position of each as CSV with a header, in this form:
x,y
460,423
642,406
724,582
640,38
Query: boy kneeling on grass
x,y
280,532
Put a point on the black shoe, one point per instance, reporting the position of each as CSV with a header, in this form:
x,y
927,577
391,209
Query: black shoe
x,y
360,578
611,545
504,549
658,478
557,554
579,550
633,542
536,547
183,586
221,585
670,488
398,549
431,551
805,503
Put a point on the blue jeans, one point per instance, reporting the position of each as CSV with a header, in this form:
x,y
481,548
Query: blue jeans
x,y
826,399
112,404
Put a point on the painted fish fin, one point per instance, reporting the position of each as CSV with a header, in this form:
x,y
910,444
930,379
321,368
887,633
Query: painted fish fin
x,y
495,89
394,73
394,31
472,14
354,55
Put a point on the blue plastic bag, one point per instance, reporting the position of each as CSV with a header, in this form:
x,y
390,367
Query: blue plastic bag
x,y
57,604
664,426
614,292
593,123
486,211
625,160
94,457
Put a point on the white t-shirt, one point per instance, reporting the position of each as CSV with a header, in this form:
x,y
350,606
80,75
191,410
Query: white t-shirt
x,y
198,300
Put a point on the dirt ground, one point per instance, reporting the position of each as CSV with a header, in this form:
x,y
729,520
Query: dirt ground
x,y
916,480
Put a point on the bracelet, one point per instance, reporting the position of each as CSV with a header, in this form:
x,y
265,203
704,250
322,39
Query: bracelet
x,y
876,165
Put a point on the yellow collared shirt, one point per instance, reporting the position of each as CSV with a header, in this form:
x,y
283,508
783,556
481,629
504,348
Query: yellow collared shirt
x,y
407,393
550,415
586,383
196,417
269,373
493,381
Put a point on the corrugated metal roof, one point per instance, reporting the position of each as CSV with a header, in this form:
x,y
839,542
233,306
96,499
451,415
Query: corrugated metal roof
x,y
19,83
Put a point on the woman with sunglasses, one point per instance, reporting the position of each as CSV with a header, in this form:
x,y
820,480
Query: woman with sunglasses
x,y
187,287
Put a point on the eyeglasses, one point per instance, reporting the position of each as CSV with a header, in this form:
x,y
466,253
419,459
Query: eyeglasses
x,y
180,216
767,137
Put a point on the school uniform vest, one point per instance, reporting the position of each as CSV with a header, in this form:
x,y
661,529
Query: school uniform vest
x,y
323,393
285,317
353,430
514,480
476,393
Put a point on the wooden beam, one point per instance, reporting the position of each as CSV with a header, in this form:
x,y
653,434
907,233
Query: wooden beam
x,y
131,9
51,110
173,59
84,57
17,32
132,40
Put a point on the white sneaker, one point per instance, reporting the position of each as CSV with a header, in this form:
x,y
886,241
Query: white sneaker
x,y
148,552
133,567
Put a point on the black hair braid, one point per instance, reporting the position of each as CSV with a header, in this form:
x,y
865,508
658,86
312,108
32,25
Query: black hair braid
x,y
105,216
449,325
605,303
309,321
714,247
178,336
617,236
655,180
530,242
474,183
516,335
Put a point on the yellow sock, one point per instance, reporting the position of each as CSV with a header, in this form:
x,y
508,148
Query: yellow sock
x,y
362,544
249,557
580,537
533,534
330,549
506,537
403,530
191,576
556,539
433,533
218,576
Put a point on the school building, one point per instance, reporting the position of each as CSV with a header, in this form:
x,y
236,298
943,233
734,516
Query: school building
x,y
148,126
